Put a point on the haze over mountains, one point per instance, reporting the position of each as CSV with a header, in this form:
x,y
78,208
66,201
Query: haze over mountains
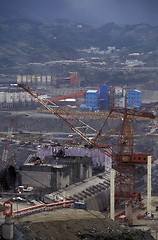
x,y
24,41
91,12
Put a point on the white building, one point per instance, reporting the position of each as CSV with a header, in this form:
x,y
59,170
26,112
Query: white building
x,y
15,98
119,97
35,79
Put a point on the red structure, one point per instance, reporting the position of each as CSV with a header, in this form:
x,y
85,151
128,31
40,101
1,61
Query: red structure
x,y
72,95
74,79
125,161
7,208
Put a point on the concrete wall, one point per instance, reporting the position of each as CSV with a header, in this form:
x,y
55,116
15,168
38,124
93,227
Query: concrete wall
x,y
45,179
56,176
36,179
99,201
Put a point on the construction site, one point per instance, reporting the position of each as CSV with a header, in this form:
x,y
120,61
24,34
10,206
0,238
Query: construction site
x,y
83,168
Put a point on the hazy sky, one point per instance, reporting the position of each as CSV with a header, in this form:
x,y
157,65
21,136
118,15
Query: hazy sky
x,y
96,12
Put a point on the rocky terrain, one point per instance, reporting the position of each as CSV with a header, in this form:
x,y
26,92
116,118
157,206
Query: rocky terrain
x,y
75,224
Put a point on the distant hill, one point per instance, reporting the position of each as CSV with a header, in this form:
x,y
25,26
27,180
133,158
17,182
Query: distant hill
x,y
141,37
24,41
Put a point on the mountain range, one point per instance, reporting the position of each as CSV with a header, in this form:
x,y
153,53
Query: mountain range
x,y
26,41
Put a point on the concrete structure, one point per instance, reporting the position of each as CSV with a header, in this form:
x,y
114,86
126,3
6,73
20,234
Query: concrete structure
x,y
149,186
119,99
59,174
98,159
129,212
14,97
94,192
112,194
8,228
44,80
35,80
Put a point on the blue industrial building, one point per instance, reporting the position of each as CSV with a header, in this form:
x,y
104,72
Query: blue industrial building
x,y
104,97
92,99
134,99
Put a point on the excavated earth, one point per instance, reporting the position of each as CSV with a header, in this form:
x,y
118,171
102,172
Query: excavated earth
x,y
74,224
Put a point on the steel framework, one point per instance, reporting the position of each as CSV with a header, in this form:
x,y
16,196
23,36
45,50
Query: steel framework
x,y
125,160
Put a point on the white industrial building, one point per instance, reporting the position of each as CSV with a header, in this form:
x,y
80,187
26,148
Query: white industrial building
x,y
13,97
35,79
119,97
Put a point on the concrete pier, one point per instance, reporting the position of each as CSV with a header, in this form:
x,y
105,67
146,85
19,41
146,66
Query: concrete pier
x,y
8,228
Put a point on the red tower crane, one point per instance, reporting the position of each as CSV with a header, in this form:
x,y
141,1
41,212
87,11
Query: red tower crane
x,y
125,160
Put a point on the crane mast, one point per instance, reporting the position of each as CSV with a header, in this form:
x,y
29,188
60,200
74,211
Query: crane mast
x,y
6,148
125,160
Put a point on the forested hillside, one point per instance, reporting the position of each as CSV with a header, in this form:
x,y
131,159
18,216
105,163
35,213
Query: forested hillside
x,y
24,41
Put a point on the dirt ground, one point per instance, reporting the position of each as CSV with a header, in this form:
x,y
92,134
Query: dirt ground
x,y
75,224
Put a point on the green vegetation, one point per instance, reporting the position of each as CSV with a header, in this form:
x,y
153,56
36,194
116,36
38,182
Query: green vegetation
x,y
23,42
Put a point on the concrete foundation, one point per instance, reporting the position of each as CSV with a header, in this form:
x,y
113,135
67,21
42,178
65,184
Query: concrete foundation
x,y
94,192
99,201
68,171
8,229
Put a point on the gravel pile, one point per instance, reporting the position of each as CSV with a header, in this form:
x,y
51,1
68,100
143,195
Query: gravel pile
x,y
72,224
